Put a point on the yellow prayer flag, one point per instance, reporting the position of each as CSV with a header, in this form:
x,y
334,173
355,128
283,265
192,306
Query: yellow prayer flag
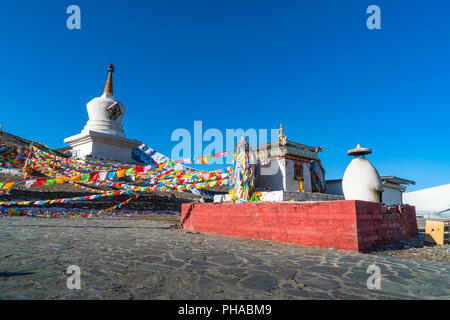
x,y
60,179
8,185
121,173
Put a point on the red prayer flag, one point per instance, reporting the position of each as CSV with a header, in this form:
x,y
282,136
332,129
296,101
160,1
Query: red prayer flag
x,y
138,169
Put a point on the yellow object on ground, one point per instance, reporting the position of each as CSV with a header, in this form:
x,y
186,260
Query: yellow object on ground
x,y
434,231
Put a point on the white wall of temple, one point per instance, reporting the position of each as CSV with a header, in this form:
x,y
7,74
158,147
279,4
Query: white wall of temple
x,y
335,187
271,176
290,184
279,174
391,196
307,184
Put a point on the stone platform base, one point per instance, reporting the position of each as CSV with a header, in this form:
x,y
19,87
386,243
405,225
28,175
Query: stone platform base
x,y
346,225
286,196
102,145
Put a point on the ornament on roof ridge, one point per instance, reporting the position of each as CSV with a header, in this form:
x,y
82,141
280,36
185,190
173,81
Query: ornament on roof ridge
x,y
282,136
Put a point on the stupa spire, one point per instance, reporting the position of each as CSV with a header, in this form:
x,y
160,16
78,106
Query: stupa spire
x,y
109,83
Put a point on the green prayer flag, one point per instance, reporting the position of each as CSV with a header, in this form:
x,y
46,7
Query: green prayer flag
x,y
49,182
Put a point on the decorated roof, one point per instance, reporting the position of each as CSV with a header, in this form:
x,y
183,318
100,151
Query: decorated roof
x,y
281,148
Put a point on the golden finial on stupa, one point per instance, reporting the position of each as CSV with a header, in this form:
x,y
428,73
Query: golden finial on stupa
x,y
109,84
281,135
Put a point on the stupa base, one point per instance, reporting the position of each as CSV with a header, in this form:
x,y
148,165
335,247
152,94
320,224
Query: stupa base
x,y
102,145
346,225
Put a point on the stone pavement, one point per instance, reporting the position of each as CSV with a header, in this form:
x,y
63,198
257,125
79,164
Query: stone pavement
x,y
130,258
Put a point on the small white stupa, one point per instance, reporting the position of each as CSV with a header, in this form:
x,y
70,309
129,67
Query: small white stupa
x,y
361,180
103,135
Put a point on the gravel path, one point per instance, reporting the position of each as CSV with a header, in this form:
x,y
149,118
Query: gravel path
x,y
130,258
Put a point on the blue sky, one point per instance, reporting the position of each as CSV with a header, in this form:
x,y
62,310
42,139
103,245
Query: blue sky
x,y
311,65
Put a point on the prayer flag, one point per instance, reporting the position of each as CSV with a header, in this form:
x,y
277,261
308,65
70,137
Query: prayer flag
x,y
41,182
112,175
102,175
29,183
49,182
8,185
60,179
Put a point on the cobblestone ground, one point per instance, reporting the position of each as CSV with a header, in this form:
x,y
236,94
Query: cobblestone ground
x,y
129,258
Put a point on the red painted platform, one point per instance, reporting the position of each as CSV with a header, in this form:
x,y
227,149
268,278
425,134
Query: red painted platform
x,y
346,225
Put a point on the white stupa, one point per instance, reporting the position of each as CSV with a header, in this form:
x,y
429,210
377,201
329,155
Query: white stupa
x,y
361,180
103,135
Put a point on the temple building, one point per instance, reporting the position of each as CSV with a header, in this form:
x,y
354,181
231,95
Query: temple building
x,y
393,189
288,170
103,135
289,166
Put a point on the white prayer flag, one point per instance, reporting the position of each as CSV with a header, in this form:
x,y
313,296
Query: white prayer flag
x,y
29,183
